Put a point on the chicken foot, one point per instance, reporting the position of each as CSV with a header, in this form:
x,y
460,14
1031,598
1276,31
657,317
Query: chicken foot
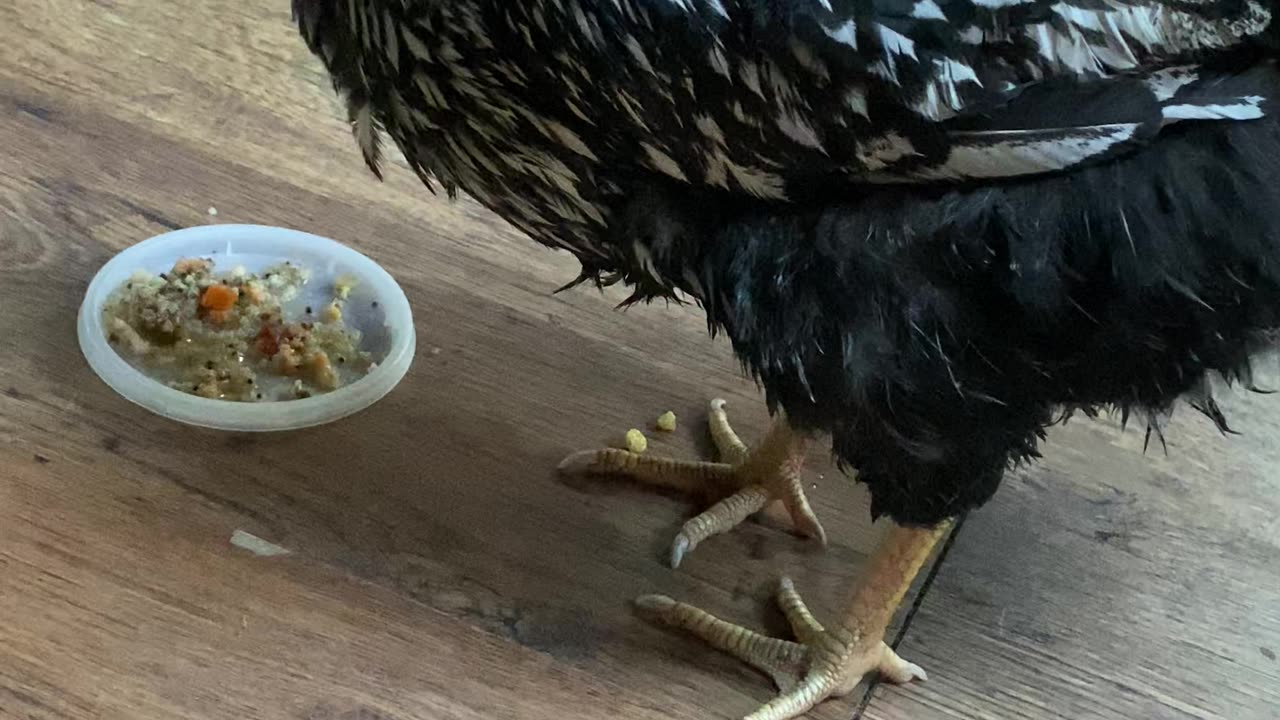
x,y
738,486
820,663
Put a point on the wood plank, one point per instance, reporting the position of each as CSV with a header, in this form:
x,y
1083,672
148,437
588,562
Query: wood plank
x,y
229,78
431,541
122,599
436,510
1105,583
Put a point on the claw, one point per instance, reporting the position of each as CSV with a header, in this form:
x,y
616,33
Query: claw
x,y
678,548
579,463
654,603
898,671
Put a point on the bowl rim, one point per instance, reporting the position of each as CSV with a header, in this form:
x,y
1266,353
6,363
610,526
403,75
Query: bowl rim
x,y
153,395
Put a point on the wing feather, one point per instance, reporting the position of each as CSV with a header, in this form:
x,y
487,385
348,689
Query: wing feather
x,y
926,90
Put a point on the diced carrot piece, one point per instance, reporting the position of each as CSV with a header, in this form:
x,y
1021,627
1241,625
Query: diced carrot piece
x,y
219,297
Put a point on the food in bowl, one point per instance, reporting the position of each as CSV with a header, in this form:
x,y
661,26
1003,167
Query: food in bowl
x,y
228,335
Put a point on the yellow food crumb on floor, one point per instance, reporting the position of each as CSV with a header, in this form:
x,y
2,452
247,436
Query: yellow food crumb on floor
x,y
636,441
667,421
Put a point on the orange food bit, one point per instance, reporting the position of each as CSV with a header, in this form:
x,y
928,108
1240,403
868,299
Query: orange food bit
x,y
266,342
219,298
187,266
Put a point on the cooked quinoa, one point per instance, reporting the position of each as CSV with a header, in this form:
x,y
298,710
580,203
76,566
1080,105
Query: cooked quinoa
x,y
226,335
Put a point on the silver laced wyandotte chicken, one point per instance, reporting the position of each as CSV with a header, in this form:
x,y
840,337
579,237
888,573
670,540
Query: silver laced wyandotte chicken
x,y
930,228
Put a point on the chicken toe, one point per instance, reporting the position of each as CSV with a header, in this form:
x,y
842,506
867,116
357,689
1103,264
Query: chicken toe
x,y
743,483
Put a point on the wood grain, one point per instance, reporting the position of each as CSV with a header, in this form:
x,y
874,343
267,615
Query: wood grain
x,y
438,568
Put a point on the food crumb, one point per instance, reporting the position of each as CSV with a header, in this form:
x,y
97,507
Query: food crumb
x,y
667,422
322,372
331,312
254,293
188,266
342,287
636,441
256,545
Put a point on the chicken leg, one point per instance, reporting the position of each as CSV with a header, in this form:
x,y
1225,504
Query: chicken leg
x,y
743,483
820,663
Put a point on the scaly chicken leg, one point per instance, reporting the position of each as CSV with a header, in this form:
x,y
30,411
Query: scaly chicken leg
x,y
821,663
742,484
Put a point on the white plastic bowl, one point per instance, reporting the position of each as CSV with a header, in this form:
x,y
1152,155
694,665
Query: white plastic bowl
x,y
387,329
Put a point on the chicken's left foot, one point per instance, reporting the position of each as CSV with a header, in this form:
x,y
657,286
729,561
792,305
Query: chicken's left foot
x,y
820,663
818,666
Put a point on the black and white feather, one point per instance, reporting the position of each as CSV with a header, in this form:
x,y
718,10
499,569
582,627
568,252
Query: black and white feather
x,y
536,107
928,226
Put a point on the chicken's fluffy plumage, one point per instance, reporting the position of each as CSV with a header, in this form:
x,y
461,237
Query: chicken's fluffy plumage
x,y
929,228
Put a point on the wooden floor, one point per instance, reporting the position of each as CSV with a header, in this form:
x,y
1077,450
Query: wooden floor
x,y
438,568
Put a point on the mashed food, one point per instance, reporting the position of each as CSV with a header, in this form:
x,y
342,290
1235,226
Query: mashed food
x,y
226,335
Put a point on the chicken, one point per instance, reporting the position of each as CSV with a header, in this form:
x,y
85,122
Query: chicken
x,y
930,228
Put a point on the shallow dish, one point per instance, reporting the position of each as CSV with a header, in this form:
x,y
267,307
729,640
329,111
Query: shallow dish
x,y
377,308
